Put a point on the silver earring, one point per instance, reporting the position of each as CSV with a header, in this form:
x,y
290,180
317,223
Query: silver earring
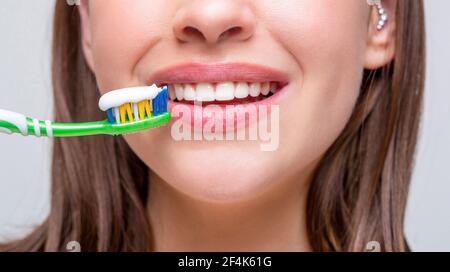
x,y
383,16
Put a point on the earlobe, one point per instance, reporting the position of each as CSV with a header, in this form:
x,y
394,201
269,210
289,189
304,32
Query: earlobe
x,y
380,49
86,37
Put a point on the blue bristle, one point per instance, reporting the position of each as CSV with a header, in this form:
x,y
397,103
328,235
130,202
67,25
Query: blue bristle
x,y
155,105
159,104
161,98
111,119
166,99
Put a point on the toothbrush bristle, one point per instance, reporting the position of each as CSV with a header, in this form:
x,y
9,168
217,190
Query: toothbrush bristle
x,y
110,115
131,112
160,102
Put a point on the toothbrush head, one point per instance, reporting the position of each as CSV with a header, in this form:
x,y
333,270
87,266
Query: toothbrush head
x,y
134,104
133,109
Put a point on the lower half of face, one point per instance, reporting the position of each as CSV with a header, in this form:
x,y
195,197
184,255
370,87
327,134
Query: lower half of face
x,y
299,61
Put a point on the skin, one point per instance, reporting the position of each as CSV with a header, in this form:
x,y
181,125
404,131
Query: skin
x,y
217,195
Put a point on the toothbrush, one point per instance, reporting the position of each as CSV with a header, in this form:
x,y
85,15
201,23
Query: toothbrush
x,y
128,110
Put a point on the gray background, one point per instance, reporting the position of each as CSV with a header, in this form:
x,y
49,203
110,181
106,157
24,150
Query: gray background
x,y
25,28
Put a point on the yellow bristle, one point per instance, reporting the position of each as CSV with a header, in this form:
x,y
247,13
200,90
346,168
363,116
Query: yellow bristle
x,y
141,110
147,108
122,114
129,112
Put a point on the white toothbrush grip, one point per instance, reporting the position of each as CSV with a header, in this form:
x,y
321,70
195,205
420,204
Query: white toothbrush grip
x,y
17,119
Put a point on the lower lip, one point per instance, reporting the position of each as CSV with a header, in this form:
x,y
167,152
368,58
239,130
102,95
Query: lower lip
x,y
197,116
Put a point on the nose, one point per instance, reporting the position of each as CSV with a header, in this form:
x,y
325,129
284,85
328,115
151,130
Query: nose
x,y
214,21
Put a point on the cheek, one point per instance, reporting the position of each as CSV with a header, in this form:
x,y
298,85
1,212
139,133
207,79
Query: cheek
x,y
326,38
121,33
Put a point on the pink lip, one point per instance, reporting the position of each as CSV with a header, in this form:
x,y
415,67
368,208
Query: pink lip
x,y
221,72
198,72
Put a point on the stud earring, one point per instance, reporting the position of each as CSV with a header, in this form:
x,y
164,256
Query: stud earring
x,y
383,16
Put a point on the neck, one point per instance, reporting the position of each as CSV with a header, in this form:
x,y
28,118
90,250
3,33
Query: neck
x,y
273,221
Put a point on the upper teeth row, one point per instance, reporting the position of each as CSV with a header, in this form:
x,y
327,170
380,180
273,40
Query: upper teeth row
x,y
223,91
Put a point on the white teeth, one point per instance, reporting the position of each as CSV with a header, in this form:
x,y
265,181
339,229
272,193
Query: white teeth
x,y
172,94
179,92
255,89
222,91
241,90
204,92
273,87
265,88
189,92
225,91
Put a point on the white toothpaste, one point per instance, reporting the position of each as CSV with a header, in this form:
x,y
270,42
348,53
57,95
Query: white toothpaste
x,y
119,97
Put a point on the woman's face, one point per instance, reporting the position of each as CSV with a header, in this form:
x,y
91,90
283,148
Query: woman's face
x,y
315,50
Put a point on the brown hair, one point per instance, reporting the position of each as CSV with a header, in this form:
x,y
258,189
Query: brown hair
x,y
358,193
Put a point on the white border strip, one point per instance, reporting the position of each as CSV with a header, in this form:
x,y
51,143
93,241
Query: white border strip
x,y
37,129
48,127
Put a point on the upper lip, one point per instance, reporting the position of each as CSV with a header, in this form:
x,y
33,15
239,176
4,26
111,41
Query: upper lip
x,y
220,72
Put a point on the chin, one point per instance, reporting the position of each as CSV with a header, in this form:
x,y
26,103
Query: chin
x,y
223,173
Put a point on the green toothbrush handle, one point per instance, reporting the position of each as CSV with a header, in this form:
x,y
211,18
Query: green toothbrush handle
x,y
11,122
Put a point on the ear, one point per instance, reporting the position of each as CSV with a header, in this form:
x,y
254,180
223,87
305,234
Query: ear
x,y
381,43
86,38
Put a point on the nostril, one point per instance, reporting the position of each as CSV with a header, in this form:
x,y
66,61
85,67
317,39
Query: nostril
x,y
233,31
190,31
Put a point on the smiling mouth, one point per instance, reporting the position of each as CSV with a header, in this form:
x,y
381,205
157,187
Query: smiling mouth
x,y
222,93
220,83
